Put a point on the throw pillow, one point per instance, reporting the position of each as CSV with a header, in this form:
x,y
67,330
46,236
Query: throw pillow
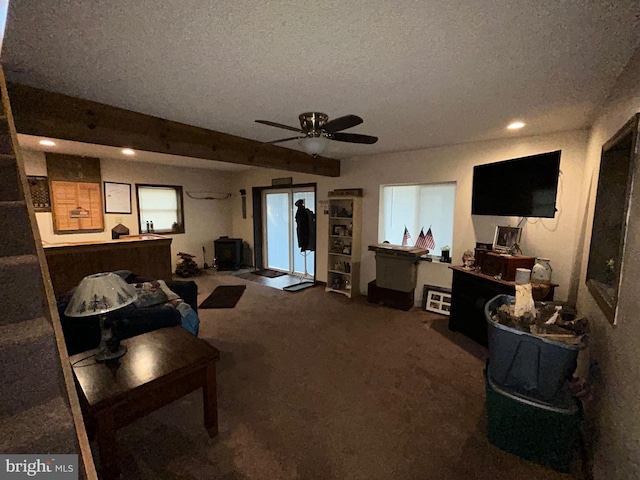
x,y
149,294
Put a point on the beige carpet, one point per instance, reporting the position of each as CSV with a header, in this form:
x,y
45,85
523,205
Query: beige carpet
x,y
313,385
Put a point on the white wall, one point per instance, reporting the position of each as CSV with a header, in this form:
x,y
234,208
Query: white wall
x,y
553,238
205,220
616,349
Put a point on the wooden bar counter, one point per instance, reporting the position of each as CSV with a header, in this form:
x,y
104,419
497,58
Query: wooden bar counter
x,y
146,255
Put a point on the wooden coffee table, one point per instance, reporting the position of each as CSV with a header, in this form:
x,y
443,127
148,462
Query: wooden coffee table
x,y
158,368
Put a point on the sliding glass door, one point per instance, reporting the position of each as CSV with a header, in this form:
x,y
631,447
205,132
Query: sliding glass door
x,y
280,230
277,230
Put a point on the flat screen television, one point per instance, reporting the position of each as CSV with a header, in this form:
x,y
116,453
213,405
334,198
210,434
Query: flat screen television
x,y
522,187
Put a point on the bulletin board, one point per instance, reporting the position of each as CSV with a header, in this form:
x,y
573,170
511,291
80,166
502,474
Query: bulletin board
x,y
76,207
117,197
76,193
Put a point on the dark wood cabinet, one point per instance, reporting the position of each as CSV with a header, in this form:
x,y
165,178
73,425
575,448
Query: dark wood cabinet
x,y
492,263
471,291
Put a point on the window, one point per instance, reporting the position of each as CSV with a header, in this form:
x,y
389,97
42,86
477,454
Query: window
x,y
418,207
161,207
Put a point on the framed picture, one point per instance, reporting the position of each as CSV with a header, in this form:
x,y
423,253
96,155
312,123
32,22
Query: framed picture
x,y
39,190
117,197
506,237
436,299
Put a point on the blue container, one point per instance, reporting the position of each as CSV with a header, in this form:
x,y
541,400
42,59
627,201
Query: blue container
x,y
526,364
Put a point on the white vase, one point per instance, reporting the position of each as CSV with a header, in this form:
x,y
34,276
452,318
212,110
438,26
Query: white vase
x,y
541,271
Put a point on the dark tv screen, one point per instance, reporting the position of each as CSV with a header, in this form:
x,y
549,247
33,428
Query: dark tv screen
x,y
522,187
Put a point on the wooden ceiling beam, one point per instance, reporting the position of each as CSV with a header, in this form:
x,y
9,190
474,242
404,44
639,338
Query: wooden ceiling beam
x,y
47,114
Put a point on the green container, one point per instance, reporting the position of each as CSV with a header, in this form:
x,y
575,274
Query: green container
x,y
396,271
534,431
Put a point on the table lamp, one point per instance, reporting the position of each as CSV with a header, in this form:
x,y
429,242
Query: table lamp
x,y
100,294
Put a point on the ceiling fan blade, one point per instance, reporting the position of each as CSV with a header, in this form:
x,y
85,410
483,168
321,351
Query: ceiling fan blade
x,y
342,123
282,140
353,138
279,125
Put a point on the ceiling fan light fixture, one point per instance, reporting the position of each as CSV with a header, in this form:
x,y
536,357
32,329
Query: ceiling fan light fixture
x,y
314,145
316,130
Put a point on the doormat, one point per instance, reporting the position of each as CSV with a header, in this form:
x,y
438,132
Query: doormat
x,y
268,273
296,287
224,296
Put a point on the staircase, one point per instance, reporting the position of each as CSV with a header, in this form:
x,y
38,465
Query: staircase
x,y
39,410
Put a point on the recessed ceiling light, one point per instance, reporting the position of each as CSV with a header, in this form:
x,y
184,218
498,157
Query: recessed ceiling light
x,y
128,151
516,125
48,143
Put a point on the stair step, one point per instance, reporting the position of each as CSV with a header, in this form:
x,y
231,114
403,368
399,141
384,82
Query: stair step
x,y
6,146
9,179
23,332
47,427
16,237
22,293
36,378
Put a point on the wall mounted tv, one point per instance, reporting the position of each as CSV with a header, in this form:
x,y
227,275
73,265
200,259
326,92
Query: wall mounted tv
x,y
522,187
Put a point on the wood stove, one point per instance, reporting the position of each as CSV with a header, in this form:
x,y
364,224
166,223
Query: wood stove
x,y
228,253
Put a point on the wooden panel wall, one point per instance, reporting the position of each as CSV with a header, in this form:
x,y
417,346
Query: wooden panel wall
x,y
69,264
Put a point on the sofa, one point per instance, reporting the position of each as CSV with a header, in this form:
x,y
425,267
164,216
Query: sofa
x,y
82,334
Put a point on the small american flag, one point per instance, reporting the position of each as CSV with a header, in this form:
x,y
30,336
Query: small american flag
x,y
422,240
430,243
406,237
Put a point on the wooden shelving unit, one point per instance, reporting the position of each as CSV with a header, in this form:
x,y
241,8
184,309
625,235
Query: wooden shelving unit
x,y
345,224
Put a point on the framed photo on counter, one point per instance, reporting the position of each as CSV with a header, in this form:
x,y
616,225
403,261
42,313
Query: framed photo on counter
x,y
506,237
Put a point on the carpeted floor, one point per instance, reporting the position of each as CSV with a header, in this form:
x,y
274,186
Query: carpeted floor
x,y
317,386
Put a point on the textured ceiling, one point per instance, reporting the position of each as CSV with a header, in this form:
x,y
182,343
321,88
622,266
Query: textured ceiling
x,y
420,73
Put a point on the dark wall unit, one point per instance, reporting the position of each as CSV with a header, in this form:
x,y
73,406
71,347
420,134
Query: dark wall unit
x,y
228,252
469,294
522,187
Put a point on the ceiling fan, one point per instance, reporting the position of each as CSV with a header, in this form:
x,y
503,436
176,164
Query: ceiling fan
x,y
316,129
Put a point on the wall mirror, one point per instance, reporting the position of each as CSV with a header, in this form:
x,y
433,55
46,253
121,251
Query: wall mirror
x,y
615,180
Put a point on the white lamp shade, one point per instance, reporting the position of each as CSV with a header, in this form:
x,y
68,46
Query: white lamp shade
x,y
100,293
313,145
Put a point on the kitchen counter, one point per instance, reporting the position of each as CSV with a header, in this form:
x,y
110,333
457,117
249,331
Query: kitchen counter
x,y
127,238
